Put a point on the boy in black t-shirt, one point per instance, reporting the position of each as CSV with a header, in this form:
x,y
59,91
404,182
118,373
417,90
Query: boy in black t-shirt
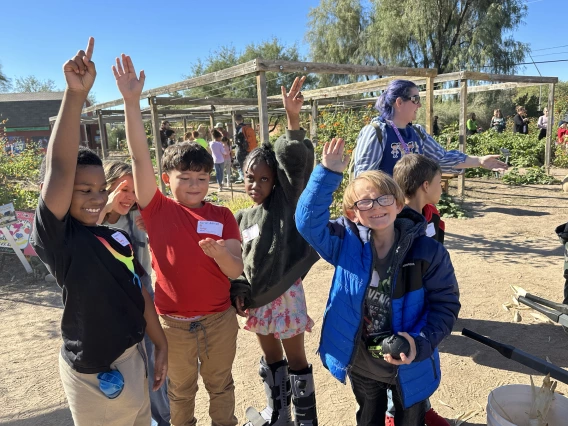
x,y
106,310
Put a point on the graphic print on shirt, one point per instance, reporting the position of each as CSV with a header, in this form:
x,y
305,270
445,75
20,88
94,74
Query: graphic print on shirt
x,y
397,150
127,261
378,306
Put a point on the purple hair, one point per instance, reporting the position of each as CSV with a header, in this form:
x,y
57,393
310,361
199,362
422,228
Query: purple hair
x,y
396,89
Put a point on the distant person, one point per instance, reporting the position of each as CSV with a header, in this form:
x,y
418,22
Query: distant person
x,y
435,127
497,121
562,133
163,136
199,140
189,137
221,128
245,140
542,124
521,121
471,125
228,160
171,137
218,153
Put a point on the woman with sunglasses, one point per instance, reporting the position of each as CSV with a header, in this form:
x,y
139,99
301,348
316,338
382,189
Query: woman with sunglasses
x,y
391,135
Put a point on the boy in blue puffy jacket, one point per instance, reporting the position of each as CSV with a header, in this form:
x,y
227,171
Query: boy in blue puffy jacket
x,y
390,278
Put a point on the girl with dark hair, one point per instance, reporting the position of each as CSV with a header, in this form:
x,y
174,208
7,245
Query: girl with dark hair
x,y
390,136
270,292
121,211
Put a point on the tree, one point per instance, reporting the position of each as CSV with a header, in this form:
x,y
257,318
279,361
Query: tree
x,y
5,83
448,35
245,87
31,83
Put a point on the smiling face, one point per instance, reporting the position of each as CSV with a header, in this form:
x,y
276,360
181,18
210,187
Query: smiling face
x,y
405,110
378,218
259,181
188,187
127,196
89,194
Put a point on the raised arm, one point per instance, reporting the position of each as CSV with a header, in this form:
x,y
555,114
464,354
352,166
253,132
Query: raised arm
x,y
130,87
61,157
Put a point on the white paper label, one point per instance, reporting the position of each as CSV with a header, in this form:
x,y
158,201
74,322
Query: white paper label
x,y
430,230
118,236
251,233
209,227
375,279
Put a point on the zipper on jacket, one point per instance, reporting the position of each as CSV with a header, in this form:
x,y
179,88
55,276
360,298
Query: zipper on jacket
x,y
434,366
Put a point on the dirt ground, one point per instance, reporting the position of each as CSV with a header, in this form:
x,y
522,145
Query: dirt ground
x,y
508,240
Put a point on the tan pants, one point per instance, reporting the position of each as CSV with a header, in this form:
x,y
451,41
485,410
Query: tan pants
x,y
212,340
90,407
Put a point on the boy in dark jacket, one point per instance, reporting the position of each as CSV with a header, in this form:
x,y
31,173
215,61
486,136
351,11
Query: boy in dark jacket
x,y
420,179
389,279
562,232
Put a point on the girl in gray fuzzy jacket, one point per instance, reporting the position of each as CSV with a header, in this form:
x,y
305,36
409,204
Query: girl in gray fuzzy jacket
x,y
270,292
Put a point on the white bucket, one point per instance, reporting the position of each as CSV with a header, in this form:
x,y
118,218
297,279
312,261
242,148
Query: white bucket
x,y
510,405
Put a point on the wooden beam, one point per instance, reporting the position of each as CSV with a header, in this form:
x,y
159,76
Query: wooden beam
x,y
429,104
184,126
212,123
206,101
165,111
314,127
463,132
262,106
481,76
234,124
157,142
548,149
480,88
325,68
202,80
102,133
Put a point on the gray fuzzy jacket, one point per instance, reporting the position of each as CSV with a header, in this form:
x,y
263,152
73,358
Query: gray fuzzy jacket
x,y
279,255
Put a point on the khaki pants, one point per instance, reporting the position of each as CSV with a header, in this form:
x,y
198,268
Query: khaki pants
x,y
90,407
212,340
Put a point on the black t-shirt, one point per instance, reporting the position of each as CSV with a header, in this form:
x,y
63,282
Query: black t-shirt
x,y
103,311
377,318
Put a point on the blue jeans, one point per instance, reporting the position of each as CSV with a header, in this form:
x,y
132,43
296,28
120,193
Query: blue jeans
x,y
376,398
159,402
219,173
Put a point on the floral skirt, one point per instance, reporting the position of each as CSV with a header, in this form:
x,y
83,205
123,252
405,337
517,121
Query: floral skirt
x,y
285,317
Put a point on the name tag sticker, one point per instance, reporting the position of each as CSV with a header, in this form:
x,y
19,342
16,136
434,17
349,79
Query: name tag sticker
x,y
251,233
375,279
209,227
430,230
119,237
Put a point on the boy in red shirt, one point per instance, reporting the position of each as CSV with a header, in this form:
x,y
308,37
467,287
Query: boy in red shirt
x,y
195,248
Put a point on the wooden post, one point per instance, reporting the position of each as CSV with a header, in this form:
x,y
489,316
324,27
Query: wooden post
x,y
184,126
212,123
549,127
234,123
463,133
102,133
314,127
429,104
262,105
157,141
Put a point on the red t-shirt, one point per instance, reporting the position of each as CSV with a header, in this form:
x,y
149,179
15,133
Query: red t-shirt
x,y
189,283
561,133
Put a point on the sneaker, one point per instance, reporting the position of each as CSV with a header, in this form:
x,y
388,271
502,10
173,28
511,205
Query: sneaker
x,y
389,421
434,419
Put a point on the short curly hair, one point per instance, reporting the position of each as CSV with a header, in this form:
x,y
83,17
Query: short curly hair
x,y
187,156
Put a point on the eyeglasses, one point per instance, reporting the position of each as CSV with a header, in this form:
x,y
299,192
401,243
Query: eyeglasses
x,y
367,204
415,99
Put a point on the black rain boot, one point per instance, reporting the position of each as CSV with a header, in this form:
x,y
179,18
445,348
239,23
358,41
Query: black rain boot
x,y
278,411
304,397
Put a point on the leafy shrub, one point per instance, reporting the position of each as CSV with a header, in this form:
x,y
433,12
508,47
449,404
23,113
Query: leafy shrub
x,y
448,206
531,176
560,157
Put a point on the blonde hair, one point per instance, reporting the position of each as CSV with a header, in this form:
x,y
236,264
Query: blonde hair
x,y
383,183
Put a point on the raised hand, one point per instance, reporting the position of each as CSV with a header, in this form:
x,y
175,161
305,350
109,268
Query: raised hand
x,y
293,100
80,71
129,85
334,157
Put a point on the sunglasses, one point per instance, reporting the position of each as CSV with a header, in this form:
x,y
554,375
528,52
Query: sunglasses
x,y
367,204
415,99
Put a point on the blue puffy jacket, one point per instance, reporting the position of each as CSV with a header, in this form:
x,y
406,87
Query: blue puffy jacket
x,y
425,296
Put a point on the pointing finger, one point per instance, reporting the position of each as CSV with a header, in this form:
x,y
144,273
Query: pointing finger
x,y
90,48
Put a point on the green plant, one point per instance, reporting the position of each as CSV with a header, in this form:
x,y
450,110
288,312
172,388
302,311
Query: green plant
x,y
237,203
531,176
560,157
448,206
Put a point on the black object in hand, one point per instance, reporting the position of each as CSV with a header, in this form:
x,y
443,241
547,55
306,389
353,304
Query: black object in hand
x,y
395,345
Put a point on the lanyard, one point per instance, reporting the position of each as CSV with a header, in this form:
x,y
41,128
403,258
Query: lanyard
x,y
403,144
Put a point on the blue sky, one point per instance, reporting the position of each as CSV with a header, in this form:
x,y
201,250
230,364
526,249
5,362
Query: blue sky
x,y
165,38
